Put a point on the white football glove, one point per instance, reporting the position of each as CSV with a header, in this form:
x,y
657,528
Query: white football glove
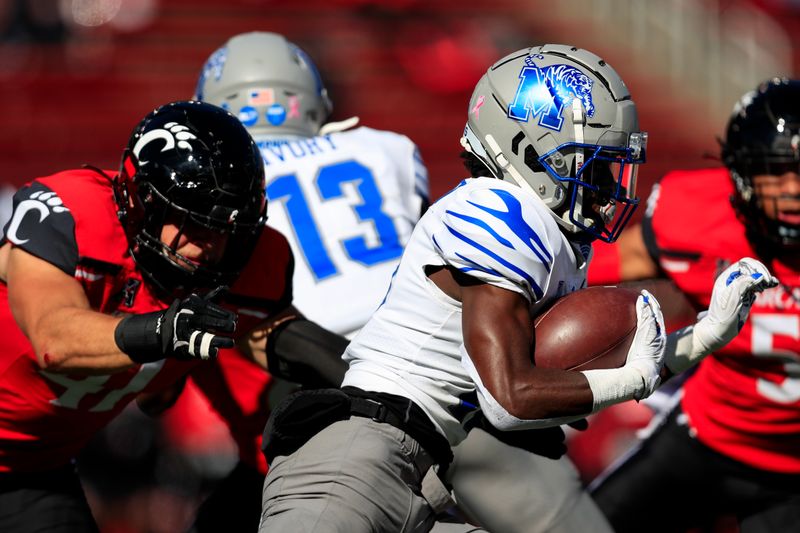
x,y
733,294
640,375
646,353
734,291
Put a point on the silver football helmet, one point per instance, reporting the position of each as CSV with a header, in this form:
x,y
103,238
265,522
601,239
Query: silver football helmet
x,y
268,82
560,122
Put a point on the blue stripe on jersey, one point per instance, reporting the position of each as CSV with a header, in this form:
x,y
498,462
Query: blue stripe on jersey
x,y
421,189
537,291
476,266
480,223
513,219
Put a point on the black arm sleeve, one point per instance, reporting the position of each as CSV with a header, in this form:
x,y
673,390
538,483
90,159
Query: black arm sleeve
x,y
303,352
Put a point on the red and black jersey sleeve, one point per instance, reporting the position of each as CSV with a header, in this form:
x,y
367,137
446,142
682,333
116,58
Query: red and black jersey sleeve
x,y
43,226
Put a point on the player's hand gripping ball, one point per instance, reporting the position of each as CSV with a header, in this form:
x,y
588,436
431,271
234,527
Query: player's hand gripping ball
x,y
587,329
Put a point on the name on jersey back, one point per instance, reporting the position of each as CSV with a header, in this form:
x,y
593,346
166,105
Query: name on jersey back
x,y
279,151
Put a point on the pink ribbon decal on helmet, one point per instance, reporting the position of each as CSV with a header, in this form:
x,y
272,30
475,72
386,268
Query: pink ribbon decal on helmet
x,y
294,107
477,108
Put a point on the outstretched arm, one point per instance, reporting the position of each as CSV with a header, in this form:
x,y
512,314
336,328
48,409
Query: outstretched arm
x,y
52,309
734,292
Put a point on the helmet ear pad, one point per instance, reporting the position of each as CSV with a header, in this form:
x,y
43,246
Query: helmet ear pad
x,y
763,138
193,165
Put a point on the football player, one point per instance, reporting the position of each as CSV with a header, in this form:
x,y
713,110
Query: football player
x,y
731,445
455,330
260,76
109,284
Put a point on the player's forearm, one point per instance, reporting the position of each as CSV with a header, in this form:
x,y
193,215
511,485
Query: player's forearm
x,y
77,340
296,349
549,393
542,401
304,352
683,350
530,397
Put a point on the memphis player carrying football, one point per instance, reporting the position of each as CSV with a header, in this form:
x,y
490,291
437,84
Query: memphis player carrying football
x,y
553,135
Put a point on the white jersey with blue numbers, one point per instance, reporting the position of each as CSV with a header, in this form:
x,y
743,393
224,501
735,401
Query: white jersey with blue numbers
x,y
413,345
347,202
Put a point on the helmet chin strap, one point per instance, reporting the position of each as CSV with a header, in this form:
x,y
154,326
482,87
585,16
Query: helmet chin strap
x,y
745,190
577,125
505,164
578,118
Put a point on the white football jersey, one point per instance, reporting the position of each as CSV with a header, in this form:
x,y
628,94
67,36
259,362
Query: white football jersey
x,y
412,346
347,202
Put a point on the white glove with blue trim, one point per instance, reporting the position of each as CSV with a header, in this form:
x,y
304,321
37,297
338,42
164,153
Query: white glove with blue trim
x,y
733,295
641,374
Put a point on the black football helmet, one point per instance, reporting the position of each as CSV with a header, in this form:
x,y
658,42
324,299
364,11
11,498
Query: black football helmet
x,y
193,165
763,137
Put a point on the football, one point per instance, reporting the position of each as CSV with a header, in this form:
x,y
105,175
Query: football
x,y
587,329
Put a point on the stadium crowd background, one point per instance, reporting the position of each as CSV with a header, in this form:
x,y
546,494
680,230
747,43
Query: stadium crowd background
x,y
74,74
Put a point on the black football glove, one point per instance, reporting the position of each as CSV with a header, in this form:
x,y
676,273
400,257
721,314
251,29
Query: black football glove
x,y
192,327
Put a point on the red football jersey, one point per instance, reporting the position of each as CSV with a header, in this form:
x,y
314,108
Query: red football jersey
x,y
743,401
70,220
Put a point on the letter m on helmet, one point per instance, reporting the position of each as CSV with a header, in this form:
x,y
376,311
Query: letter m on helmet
x,y
543,92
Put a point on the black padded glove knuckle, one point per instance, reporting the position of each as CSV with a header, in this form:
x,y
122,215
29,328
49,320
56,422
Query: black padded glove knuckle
x,y
185,330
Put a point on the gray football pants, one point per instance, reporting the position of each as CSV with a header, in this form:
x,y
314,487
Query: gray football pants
x,y
354,476
361,476
509,490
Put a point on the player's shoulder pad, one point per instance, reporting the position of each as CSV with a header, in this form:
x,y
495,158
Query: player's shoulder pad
x,y
65,216
266,281
498,233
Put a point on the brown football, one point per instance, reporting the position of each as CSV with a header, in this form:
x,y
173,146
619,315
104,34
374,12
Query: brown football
x,y
586,329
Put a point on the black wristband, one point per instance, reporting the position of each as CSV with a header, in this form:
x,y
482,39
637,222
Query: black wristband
x,y
137,337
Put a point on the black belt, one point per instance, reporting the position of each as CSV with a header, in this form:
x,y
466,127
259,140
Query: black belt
x,y
369,408
304,414
428,438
